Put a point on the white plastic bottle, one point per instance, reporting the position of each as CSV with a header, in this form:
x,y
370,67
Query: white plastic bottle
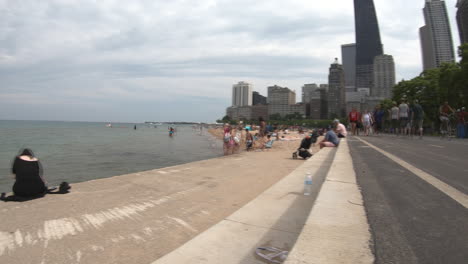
x,y
308,184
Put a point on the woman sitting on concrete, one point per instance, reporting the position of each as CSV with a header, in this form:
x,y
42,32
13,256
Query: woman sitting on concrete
x,y
28,174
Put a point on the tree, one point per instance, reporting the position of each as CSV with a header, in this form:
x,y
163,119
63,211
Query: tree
x,y
276,116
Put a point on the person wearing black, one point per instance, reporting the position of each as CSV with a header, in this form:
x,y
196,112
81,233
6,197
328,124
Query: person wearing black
x,y
306,144
28,175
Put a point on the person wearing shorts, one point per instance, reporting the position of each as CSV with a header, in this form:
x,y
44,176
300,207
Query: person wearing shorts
x,y
403,114
331,140
366,122
353,119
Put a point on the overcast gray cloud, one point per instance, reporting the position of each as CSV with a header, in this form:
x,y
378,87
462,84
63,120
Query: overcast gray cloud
x,y
177,60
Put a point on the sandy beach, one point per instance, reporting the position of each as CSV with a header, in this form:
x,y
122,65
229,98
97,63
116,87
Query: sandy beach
x,y
137,218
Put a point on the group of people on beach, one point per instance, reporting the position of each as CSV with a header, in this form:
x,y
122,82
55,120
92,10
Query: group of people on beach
x,y
234,137
263,136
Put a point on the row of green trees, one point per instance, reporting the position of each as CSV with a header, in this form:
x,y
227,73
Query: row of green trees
x,y
290,120
433,87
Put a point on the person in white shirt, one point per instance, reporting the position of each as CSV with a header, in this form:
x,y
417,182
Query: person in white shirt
x,y
366,122
394,112
404,117
340,129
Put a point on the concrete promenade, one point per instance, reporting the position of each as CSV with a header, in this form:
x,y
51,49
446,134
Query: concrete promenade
x,y
138,218
329,226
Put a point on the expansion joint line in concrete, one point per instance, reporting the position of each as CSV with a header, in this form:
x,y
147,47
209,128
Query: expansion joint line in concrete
x,y
262,227
453,193
331,180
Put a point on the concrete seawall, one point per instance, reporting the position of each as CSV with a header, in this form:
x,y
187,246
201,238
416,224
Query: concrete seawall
x,y
140,217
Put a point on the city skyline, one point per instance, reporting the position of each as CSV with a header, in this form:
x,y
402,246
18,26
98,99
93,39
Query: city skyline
x,y
150,60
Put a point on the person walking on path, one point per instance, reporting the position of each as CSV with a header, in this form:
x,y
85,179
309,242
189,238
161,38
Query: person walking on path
x,y
445,111
379,114
353,118
465,115
461,124
417,118
394,114
366,122
403,114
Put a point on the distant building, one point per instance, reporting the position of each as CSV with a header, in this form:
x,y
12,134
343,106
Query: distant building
x,y
282,101
384,76
324,101
318,106
242,94
436,35
307,91
248,112
348,55
368,42
284,110
336,91
462,20
259,99
281,95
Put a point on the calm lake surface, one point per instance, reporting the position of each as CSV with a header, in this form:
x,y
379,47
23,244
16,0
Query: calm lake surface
x,y
80,151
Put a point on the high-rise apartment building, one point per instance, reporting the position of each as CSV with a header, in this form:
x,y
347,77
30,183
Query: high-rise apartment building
x,y
384,76
348,56
462,20
242,94
368,43
336,91
436,36
281,95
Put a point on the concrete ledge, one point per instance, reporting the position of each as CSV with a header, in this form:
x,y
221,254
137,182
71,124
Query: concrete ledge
x,y
275,218
337,230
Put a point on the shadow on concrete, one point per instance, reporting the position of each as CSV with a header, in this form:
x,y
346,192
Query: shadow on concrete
x,y
300,208
62,189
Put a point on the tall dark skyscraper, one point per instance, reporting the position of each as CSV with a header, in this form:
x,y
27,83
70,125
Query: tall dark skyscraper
x,y
368,43
462,20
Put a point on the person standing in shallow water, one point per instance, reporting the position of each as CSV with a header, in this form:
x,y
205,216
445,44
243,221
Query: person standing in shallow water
x,y
28,175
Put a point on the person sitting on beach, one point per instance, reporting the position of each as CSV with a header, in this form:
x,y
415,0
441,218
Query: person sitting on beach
x,y
306,143
28,175
330,140
268,144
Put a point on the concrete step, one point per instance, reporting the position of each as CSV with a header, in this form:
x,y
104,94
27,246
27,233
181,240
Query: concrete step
x,y
275,218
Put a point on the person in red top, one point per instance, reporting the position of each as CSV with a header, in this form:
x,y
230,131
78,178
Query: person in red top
x,y
353,119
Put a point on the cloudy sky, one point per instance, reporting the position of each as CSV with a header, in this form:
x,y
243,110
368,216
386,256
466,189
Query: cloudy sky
x,y
139,60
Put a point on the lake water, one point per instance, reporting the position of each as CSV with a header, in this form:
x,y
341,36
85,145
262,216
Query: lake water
x,y
79,151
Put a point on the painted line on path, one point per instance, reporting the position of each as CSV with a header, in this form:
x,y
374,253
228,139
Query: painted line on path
x,y
440,185
437,146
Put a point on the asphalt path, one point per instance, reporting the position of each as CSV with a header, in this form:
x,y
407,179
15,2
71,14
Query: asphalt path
x,y
413,221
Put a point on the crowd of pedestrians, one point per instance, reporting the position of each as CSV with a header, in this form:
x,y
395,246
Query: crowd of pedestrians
x,y
407,119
